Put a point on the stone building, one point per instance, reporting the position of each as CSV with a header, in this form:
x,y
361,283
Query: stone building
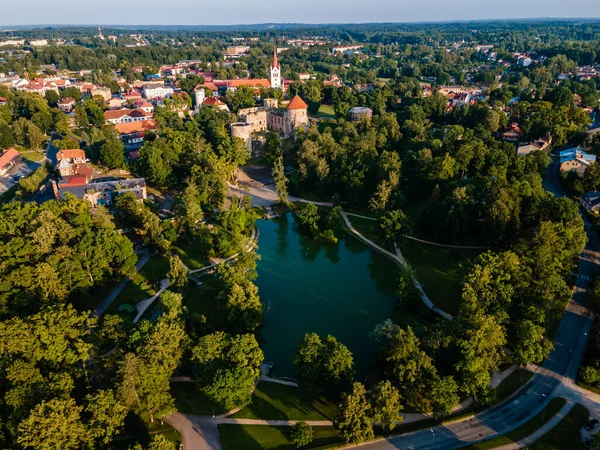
x,y
289,120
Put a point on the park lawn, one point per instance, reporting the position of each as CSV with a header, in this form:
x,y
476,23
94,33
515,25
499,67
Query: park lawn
x,y
370,230
325,112
155,269
272,401
438,271
262,437
128,441
32,155
202,300
512,384
190,254
567,433
134,292
189,400
524,430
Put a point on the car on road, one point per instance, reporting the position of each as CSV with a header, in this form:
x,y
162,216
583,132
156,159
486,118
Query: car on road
x,y
592,424
16,177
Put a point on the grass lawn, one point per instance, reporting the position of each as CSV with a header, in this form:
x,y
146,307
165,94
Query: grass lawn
x,y
438,270
134,292
325,112
369,229
189,400
524,430
260,437
9,194
32,155
512,383
566,434
272,401
128,441
155,269
190,254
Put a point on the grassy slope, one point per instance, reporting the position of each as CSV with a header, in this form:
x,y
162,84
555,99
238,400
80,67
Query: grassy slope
x,y
189,400
258,437
566,434
512,383
438,270
273,401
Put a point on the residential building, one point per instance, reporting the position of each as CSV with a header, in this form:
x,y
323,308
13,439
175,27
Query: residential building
x,y
118,116
115,102
236,50
103,92
133,133
512,133
38,42
541,144
591,202
102,192
8,159
358,112
66,104
69,161
157,91
254,83
215,102
576,160
144,106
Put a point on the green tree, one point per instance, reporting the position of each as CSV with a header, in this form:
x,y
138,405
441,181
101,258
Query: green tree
x,y
112,154
35,137
443,393
244,308
353,419
272,148
178,273
7,138
280,180
394,225
52,425
159,442
531,345
301,434
81,118
106,416
309,217
243,97
385,405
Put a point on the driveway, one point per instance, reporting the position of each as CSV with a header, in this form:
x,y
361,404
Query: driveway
x,y
22,168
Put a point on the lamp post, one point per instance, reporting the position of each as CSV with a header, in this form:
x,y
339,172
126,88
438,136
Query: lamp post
x,y
545,406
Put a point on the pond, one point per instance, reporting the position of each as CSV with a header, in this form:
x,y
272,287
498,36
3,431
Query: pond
x,y
344,289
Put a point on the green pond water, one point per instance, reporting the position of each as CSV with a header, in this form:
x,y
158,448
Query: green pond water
x,y
344,289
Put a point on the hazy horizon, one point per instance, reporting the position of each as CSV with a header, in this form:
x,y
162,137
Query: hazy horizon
x,y
235,12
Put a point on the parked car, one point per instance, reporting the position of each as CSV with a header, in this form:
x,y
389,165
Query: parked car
x,y
17,177
592,424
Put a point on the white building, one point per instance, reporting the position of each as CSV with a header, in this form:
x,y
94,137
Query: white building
x,y
38,43
157,91
275,72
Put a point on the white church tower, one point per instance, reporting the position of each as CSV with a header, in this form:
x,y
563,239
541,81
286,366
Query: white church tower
x,y
275,72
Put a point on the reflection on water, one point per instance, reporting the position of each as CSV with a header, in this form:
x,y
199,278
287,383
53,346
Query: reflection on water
x,y
343,289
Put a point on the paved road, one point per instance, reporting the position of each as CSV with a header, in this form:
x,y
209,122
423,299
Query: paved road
x,y
554,378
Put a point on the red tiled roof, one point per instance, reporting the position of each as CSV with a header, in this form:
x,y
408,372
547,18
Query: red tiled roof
x,y
297,103
66,101
212,101
136,127
209,86
74,180
118,113
252,82
8,156
70,154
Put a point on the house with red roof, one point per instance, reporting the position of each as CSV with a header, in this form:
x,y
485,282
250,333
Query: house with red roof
x,y
67,104
8,159
119,116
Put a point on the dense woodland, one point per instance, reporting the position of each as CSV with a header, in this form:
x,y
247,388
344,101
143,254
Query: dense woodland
x,y
109,378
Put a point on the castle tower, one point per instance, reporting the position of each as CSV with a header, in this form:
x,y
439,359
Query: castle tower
x,y
275,72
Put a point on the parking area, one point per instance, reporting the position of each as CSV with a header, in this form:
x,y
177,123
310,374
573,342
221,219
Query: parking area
x,y
22,169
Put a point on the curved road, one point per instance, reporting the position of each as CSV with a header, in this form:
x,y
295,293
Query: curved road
x,y
554,378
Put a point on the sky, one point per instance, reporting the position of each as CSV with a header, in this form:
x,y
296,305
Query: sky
x,y
228,12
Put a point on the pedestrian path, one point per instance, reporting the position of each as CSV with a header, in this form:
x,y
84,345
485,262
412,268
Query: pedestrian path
x,y
145,304
114,293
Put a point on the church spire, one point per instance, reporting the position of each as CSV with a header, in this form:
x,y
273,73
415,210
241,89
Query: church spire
x,y
275,63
